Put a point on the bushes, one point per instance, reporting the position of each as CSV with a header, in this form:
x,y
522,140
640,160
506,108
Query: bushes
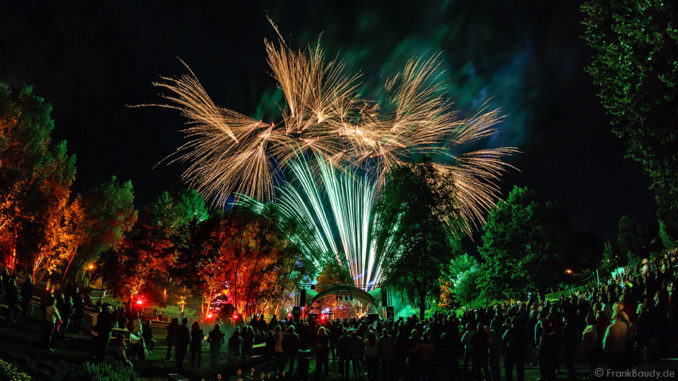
x,y
110,371
10,372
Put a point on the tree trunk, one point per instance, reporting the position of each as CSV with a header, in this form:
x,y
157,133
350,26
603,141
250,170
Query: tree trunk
x,y
63,279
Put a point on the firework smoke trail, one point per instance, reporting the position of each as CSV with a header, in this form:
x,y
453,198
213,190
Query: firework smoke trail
x,y
349,219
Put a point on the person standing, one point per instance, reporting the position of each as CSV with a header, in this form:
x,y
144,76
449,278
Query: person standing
x,y
467,340
614,343
278,349
52,318
569,341
66,311
591,342
322,352
494,347
216,340
182,341
479,358
12,299
515,342
548,349
234,349
78,310
355,353
387,353
171,336
26,297
372,356
197,336
136,331
291,347
105,322
342,353
147,333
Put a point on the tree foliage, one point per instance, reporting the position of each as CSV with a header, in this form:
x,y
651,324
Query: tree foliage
x,y
35,178
466,285
635,67
63,233
234,257
147,255
527,244
244,257
459,282
108,214
332,274
632,239
408,212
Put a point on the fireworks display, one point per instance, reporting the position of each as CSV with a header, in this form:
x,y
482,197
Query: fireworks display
x,y
339,205
325,119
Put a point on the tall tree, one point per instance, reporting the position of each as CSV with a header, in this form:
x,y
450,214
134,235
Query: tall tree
x,y
526,246
634,65
109,214
35,173
149,253
459,281
632,239
409,213
63,231
244,258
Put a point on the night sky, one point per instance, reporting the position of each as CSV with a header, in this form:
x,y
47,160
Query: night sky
x,y
92,59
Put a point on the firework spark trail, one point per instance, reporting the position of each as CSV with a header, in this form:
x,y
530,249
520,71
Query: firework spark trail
x,y
350,218
231,153
325,118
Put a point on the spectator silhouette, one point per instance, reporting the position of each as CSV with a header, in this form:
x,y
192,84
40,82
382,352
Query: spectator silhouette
x,y
172,336
183,338
216,340
197,336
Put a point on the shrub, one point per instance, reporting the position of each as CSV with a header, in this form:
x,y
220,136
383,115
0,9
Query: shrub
x,y
10,372
110,371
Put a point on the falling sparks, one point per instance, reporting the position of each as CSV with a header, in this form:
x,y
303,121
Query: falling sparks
x,y
229,152
339,205
325,119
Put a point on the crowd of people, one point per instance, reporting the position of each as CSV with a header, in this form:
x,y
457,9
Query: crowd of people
x,y
626,321
630,320
17,301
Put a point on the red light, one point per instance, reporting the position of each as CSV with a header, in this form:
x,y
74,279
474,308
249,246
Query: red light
x,y
235,316
209,315
140,302
322,317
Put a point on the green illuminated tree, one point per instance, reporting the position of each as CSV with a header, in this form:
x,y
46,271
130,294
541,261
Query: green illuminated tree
x,y
407,212
527,244
635,66
466,287
459,281
109,214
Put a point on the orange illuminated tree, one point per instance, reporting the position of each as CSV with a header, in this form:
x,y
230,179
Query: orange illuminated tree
x,y
146,256
35,172
245,260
